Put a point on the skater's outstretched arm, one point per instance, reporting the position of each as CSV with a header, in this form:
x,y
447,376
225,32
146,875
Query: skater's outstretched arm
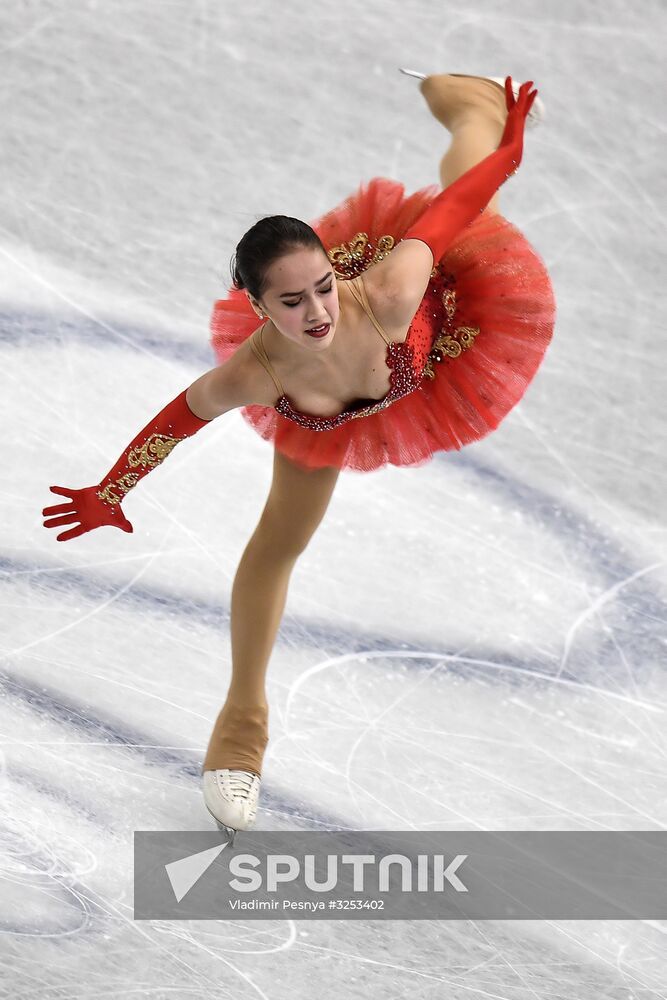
x,y
216,392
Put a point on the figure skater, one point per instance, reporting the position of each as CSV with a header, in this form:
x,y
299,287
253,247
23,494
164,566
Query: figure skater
x,y
394,327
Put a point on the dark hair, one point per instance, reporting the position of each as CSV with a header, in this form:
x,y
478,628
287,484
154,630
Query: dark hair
x,y
270,238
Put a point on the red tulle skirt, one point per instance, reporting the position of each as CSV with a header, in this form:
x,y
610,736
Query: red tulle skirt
x,y
502,287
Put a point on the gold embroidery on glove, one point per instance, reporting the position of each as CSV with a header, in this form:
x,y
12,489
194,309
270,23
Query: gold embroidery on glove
x,y
153,451
124,484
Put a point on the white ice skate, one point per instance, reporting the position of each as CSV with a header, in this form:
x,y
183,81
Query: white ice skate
x,y
231,797
535,115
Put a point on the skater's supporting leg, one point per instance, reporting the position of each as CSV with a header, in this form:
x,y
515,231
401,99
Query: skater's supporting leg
x,y
474,111
295,507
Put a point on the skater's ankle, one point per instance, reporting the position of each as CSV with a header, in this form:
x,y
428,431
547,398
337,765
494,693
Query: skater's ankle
x,y
239,739
244,701
254,714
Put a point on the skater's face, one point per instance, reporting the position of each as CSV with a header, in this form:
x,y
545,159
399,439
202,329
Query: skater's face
x,y
301,293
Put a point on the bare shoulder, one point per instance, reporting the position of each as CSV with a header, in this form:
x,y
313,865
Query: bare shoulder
x,y
235,383
397,283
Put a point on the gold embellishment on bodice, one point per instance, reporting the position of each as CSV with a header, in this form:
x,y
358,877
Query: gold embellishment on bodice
x,y
366,412
450,342
355,255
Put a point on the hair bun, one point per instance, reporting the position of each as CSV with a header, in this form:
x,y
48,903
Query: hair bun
x,y
270,238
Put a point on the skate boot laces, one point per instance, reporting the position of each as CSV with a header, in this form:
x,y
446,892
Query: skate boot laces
x,y
231,796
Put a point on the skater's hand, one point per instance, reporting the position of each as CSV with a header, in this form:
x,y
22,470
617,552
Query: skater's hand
x,y
517,112
84,506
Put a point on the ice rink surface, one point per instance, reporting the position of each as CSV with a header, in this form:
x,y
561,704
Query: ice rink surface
x,y
478,643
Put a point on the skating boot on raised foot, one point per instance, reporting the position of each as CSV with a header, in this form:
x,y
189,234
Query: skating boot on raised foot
x,y
536,114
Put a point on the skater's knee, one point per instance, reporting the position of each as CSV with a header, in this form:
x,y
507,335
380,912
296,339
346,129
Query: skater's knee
x,y
273,538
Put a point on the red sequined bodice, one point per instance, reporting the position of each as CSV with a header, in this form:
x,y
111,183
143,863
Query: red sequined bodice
x,y
408,361
402,378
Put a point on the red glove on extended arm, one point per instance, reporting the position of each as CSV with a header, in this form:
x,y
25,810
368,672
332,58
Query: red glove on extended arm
x,y
94,506
458,204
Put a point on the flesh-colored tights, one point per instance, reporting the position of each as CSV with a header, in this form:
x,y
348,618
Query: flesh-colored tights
x,y
474,113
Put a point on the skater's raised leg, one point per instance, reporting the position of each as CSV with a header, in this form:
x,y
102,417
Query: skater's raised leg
x,y
474,111
296,504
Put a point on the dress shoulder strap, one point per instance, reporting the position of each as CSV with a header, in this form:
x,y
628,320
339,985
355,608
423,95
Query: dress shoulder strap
x,y
258,349
359,292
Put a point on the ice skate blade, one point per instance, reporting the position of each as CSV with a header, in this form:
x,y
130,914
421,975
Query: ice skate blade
x,y
227,830
413,72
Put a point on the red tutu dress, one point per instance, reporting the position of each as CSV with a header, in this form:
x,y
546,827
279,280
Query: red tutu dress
x,y
474,344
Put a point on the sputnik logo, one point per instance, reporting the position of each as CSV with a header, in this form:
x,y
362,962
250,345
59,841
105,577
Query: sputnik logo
x,y
183,873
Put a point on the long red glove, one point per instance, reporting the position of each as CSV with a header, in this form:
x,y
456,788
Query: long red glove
x,y
458,204
94,506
